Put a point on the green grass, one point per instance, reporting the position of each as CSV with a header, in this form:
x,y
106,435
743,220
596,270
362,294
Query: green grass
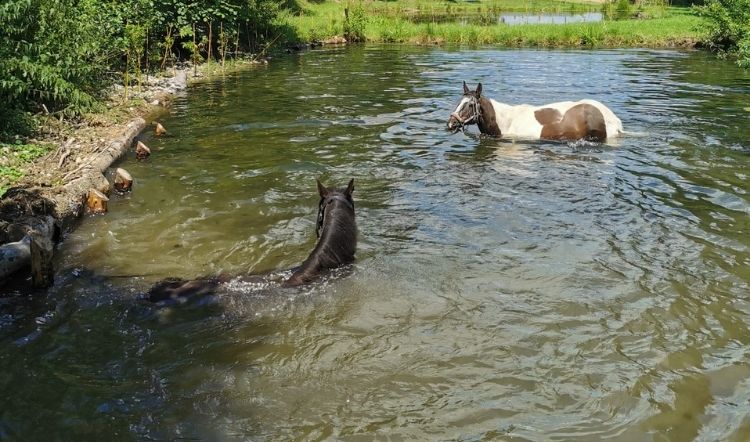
x,y
13,158
389,22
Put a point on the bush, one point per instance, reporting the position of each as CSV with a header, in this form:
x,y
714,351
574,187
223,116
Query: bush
x,y
56,56
728,28
354,24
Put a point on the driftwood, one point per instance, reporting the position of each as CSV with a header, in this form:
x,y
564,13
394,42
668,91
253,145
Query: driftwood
x,y
96,201
123,181
142,151
159,131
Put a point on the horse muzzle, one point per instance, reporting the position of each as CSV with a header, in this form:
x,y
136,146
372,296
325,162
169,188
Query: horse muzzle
x,y
454,122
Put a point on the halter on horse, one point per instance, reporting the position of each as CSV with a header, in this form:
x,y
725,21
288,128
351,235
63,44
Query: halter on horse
x,y
468,111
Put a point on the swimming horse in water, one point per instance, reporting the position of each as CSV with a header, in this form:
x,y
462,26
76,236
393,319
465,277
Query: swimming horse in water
x,y
566,120
336,229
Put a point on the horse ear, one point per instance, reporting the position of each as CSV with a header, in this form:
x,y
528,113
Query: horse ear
x,y
349,188
479,90
466,88
322,189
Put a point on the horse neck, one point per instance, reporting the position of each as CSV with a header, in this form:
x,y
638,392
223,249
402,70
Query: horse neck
x,y
337,243
488,120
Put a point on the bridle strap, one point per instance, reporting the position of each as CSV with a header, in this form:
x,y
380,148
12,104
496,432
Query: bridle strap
x,y
475,115
324,202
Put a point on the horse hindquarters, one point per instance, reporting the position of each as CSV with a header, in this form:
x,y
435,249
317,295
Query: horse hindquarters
x,y
581,122
596,125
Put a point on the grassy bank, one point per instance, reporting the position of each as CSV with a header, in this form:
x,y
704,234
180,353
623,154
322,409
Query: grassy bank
x,y
421,22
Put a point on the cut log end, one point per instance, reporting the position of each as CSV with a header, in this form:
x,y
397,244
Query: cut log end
x,y
96,201
142,151
159,130
123,181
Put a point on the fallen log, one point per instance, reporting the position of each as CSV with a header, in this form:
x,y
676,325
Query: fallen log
x,y
35,248
14,256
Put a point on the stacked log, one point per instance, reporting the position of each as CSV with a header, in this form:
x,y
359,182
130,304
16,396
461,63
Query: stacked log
x,y
96,201
142,151
123,181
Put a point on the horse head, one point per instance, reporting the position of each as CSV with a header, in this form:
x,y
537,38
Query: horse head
x,y
468,111
336,229
329,197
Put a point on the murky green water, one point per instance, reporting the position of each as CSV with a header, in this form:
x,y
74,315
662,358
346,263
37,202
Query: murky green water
x,y
503,291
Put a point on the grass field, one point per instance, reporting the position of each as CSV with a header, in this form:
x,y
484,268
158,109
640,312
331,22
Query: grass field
x,y
652,24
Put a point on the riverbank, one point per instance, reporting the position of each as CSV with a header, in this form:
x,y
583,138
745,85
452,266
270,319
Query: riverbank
x,y
417,22
46,180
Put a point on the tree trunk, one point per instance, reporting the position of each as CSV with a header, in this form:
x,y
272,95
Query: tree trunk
x,y
210,42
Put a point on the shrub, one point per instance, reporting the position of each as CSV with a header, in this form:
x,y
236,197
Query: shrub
x,y
728,28
355,23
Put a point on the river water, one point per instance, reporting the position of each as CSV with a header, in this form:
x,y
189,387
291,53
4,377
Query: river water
x,y
504,290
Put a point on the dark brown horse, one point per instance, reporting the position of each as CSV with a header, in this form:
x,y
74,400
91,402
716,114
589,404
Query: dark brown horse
x,y
567,120
337,235
336,229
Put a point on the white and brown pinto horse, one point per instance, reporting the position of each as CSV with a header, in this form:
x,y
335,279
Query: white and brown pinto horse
x,y
567,120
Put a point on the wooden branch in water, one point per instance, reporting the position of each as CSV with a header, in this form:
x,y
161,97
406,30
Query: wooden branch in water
x,y
96,201
123,181
142,151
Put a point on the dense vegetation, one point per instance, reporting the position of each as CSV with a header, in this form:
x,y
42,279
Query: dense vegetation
x,y
57,56
728,28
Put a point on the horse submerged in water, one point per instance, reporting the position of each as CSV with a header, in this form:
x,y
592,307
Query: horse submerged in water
x,y
336,229
566,120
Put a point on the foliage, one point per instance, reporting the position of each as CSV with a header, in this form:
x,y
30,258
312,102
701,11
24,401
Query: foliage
x,y
57,56
617,9
728,27
47,60
355,22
